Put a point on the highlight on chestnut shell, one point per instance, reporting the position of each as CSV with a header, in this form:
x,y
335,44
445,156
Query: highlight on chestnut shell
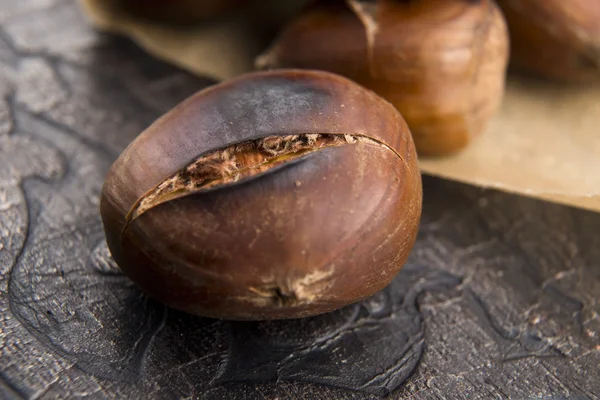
x,y
278,194
442,63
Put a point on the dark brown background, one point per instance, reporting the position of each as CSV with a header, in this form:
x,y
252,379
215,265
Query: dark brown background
x,y
500,299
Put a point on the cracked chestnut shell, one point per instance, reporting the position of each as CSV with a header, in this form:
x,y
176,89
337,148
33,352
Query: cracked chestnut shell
x,y
442,63
555,39
279,194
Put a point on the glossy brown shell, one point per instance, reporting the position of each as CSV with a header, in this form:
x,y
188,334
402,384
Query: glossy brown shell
x,y
555,39
442,63
312,236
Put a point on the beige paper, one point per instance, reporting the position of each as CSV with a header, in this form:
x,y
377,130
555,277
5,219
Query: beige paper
x,y
544,142
217,50
220,49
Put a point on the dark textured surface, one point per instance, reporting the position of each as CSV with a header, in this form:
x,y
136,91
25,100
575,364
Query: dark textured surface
x,y
500,299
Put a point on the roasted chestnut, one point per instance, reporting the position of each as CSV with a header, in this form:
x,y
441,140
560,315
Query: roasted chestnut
x,y
274,195
442,63
555,39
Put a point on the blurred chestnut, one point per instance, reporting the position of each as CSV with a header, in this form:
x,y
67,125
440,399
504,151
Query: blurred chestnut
x,y
442,63
181,11
275,195
555,39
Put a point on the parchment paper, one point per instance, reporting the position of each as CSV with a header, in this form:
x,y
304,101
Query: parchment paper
x,y
544,142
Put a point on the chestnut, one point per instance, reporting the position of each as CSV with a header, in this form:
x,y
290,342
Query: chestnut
x,y
555,39
442,63
277,194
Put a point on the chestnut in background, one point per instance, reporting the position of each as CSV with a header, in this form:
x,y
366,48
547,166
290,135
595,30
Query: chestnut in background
x,y
278,194
555,39
442,63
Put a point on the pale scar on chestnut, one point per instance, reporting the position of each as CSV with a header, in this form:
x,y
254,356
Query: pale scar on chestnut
x,y
292,291
241,161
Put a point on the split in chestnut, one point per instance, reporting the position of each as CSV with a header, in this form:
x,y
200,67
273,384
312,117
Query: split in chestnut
x,y
279,194
442,63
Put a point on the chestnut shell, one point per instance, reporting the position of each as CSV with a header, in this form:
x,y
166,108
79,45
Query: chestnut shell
x,y
555,39
323,231
442,63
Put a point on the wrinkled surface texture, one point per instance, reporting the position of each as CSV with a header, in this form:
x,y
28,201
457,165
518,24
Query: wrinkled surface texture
x,y
500,298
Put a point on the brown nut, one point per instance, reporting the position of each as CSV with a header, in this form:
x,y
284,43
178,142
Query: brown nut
x,y
279,194
555,39
442,63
